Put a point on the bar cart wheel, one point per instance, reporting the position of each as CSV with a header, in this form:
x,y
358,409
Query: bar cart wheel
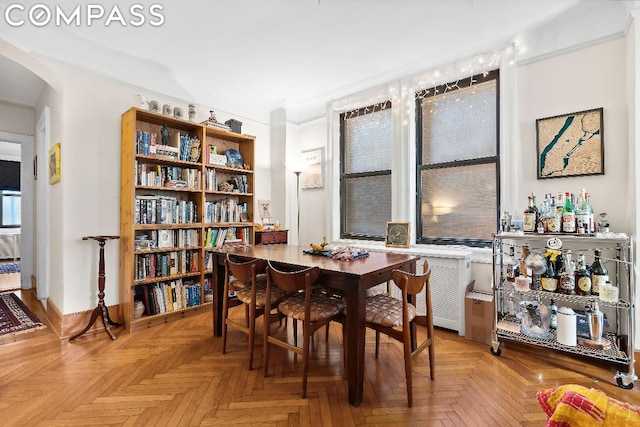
x,y
620,379
496,351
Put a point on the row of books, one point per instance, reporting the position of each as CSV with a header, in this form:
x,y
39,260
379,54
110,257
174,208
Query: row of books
x,y
217,237
208,262
226,210
168,176
238,183
147,145
166,238
190,148
156,209
164,297
149,266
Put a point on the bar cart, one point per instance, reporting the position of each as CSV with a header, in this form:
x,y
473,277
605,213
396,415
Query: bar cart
x,y
617,254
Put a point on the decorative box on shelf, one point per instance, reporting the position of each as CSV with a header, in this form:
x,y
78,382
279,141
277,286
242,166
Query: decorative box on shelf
x,y
271,237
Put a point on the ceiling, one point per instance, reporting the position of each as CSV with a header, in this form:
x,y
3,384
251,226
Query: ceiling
x,y
249,56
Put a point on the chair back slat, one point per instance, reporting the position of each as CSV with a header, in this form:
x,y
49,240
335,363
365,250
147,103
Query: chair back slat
x,y
292,281
412,283
244,270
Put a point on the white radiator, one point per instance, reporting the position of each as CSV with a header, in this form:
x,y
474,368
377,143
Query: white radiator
x,y
9,246
450,275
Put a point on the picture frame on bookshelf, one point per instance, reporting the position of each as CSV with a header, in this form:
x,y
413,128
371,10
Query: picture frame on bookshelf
x,y
264,208
54,164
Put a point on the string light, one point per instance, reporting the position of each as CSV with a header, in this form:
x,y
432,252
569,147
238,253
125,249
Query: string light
x,y
430,83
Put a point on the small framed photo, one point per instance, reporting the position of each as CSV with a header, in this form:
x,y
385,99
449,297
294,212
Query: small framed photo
x,y
264,209
398,234
54,164
570,144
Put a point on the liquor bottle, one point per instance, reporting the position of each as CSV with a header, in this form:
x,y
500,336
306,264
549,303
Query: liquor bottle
x,y
510,265
599,274
554,218
584,213
583,277
566,276
530,217
559,207
549,280
587,208
553,308
523,269
568,215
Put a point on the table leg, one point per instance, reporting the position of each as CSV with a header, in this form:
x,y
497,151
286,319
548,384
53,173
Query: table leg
x,y
218,291
356,329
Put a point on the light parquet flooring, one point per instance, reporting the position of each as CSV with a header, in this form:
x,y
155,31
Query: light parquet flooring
x,y
175,375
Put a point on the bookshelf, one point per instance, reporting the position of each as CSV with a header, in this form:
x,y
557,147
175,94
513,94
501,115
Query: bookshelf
x,y
186,188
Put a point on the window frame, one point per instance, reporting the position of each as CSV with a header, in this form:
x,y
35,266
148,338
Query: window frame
x,y
11,193
442,88
344,176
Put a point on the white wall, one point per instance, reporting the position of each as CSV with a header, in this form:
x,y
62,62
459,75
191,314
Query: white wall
x,y
16,119
87,200
313,201
589,78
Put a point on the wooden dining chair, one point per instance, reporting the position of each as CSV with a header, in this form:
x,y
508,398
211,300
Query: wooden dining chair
x,y
394,317
247,280
313,309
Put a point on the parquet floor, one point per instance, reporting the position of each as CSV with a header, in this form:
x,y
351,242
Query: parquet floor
x,y
175,375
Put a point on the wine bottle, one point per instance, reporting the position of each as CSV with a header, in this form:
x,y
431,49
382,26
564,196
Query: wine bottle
x,y
568,215
510,265
599,274
530,217
549,280
553,308
583,277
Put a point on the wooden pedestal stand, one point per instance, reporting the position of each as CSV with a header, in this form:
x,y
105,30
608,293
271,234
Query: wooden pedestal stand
x,y
101,309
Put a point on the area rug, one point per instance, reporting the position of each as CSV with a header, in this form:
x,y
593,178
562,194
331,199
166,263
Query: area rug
x,y
10,267
15,316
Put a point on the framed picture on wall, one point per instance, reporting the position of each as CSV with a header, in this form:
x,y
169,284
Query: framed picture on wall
x,y
312,176
54,164
570,144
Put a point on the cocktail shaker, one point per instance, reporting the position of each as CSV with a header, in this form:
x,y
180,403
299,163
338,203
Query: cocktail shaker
x,y
596,322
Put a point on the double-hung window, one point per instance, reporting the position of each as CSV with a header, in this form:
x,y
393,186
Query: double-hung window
x,y
457,153
365,171
10,208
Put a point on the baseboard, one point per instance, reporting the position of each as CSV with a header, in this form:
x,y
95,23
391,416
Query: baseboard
x,y
70,324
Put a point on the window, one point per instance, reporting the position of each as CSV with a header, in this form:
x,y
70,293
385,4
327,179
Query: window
x,y
458,161
10,208
365,171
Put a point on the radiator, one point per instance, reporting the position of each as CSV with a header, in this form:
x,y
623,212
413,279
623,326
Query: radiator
x,y
450,275
9,246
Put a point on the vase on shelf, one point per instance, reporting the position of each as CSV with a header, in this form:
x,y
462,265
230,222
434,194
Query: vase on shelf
x,y
138,309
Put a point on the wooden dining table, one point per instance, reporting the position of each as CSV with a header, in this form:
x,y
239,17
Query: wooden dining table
x,y
350,278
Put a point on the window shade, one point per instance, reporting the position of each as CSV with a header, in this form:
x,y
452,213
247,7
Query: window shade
x,y
9,175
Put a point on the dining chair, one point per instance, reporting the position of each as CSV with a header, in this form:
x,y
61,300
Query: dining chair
x,y
394,317
313,309
247,280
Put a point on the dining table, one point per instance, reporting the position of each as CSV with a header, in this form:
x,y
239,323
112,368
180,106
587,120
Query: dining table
x,y
351,278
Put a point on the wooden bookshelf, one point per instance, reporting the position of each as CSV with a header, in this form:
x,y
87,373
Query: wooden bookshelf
x,y
165,194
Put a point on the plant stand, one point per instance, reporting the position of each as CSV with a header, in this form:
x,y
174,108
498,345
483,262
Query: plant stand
x,y
101,310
